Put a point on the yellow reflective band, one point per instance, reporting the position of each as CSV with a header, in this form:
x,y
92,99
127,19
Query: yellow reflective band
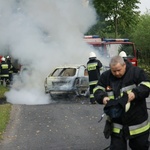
x,y
116,130
93,82
4,75
111,97
140,130
91,66
4,66
91,96
98,88
146,84
136,129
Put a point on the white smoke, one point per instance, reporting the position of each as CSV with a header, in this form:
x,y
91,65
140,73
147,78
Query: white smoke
x,y
42,34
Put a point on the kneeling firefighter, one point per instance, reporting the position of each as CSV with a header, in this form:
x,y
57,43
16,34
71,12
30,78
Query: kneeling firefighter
x,y
123,90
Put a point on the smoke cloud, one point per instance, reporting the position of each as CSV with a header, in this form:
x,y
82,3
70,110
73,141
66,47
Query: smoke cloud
x,y
42,35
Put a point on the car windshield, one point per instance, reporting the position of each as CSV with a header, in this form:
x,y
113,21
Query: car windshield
x,y
64,72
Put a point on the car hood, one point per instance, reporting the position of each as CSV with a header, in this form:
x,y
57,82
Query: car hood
x,y
60,83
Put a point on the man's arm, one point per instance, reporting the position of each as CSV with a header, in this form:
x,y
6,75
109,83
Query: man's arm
x,y
143,88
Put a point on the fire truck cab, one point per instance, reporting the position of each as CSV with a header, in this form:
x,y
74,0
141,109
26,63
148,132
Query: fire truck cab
x,y
111,47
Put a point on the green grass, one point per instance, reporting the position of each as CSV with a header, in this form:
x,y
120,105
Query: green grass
x,y
146,68
4,117
5,109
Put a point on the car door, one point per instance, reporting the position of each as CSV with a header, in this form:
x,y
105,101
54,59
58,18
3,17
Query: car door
x,y
82,77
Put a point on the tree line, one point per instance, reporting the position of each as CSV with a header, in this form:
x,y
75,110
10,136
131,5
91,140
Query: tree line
x,y
122,19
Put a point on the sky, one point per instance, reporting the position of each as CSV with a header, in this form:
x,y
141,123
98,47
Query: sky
x,y
145,4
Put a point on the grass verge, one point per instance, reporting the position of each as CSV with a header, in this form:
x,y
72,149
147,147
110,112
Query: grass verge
x,y
5,109
4,118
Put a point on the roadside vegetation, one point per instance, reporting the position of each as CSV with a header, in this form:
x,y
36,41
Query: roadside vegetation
x,y
5,109
122,19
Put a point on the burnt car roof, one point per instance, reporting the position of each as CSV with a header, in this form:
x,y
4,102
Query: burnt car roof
x,y
71,66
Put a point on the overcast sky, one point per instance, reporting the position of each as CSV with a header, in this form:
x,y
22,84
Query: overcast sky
x,y
145,5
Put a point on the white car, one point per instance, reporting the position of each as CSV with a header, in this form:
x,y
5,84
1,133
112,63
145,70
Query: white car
x,y
66,80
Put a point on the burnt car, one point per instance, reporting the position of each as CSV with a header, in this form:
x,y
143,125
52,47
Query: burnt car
x,y
67,80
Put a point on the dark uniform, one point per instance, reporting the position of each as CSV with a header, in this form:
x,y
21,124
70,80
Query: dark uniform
x,y
134,124
11,68
93,66
4,73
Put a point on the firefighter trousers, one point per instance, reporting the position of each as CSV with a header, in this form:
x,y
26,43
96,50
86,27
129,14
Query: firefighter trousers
x,y
92,99
137,143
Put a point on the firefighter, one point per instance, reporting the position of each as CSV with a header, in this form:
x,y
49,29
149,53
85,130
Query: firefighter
x,y
4,73
93,66
123,54
123,90
11,68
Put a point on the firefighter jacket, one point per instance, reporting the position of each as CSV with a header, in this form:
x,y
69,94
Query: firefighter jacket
x,y
93,67
11,68
4,72
135,118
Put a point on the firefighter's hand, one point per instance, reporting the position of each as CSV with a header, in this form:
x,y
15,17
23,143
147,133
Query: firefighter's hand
x,y
131,96
105,100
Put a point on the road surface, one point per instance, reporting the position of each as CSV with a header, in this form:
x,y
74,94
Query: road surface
x,y
56,126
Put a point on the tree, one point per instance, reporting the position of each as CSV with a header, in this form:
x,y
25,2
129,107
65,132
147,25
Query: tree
x,y
141,36
116,17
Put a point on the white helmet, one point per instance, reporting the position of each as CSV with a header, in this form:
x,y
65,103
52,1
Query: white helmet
x,y
123,54
3,58
7,57
92,55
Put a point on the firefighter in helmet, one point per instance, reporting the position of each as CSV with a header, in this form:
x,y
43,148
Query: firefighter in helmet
x,y
4,73
93,66
11,68
123,90
123,54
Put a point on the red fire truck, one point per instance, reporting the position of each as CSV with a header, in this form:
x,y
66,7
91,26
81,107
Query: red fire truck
x,y
111,47
0,58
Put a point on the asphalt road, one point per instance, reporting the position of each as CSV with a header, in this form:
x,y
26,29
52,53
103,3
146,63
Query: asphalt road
x,y
56,126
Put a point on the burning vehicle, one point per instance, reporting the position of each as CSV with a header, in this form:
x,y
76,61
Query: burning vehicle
x,y
67,80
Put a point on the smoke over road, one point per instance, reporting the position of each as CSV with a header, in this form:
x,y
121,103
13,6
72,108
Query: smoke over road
x,y
42,35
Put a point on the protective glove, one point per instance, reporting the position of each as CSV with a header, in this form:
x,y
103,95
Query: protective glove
x,y
116,108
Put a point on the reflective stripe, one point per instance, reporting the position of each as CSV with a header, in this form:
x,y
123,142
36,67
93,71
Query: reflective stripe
x,y
93,82
138,126
4,66
4,75
116,125
91,96
127,88
111,97
110,93
135,129
146,84
98,88
140,130
92,66
115,130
